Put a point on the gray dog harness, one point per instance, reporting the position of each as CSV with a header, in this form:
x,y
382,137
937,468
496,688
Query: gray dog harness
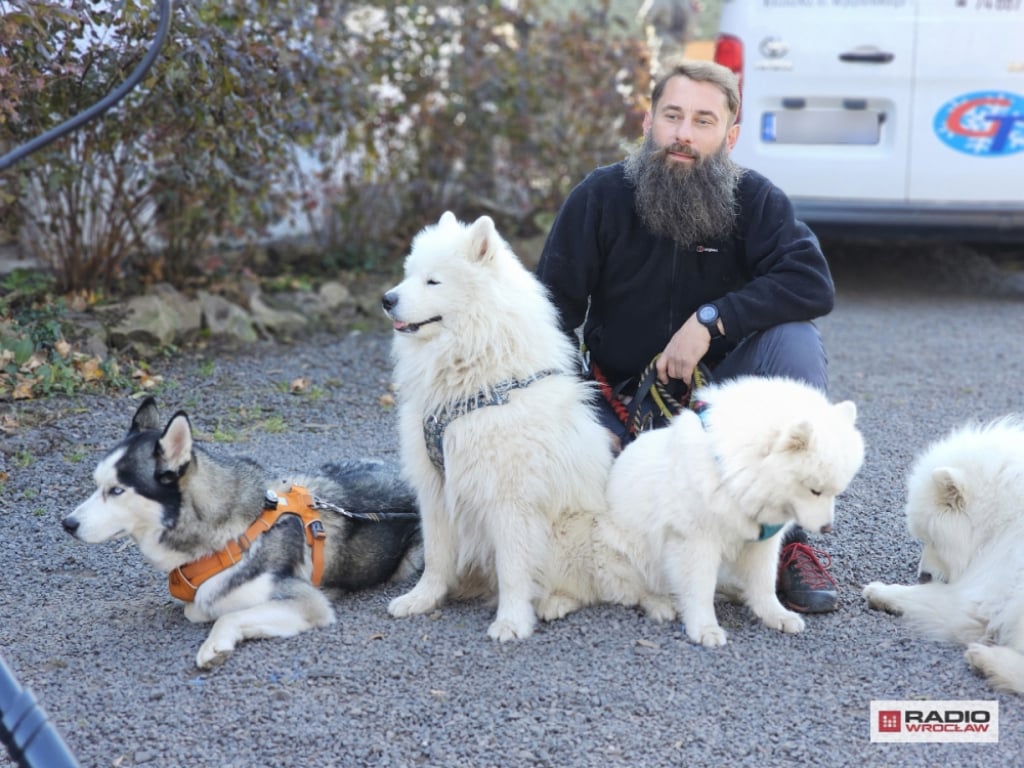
x,y
436,423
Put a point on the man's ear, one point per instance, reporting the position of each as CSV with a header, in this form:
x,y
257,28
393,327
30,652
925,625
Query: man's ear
x,y
731,135
648,119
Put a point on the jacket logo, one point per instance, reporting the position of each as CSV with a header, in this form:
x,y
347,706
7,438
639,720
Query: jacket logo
x,y
706,249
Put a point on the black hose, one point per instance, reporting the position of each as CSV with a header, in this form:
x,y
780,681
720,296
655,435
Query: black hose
x,y
105,103
31,740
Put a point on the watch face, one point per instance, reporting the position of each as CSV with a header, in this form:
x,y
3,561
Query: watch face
x,y
707,313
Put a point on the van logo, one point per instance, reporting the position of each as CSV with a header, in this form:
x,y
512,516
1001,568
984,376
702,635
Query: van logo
x,y
983,123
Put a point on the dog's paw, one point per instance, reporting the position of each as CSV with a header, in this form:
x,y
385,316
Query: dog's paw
x,y
659,608
413,603
504,630
710,636
556,606
787,621
1001,666
213,655
979,657
879,597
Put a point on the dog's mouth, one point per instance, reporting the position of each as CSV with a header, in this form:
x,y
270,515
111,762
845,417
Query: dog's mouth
x,y
401,327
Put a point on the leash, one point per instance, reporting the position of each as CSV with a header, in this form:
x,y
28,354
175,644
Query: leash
x,y
185,580
373,517
667,406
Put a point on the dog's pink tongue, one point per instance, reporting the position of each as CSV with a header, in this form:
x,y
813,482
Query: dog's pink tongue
x,y
398,325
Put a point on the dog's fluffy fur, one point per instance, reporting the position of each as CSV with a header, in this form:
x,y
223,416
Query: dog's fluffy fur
x,y
965,503
687,502
513,507
179,502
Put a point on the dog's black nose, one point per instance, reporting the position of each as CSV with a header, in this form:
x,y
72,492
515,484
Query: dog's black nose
x,y
70,525
924,577
389,301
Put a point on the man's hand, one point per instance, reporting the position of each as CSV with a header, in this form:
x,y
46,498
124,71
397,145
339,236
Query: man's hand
x,y
685,349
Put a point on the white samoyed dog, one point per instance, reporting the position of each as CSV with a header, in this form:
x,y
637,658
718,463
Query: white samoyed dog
x,y
965,503
704,502
498,438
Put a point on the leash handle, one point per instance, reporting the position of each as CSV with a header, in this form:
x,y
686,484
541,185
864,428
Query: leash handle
x,y
668,405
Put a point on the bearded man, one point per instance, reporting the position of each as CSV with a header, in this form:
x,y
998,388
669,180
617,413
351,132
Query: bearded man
x,y
676,253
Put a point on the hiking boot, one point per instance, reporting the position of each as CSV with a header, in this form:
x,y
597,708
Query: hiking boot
x,y
804,583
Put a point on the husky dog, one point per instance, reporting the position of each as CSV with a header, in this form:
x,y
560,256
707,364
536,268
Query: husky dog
x,y
181,505
964,503
705,501
498,437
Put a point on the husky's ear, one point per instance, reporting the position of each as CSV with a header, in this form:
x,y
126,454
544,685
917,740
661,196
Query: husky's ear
x,y
796,438
447,218
949,488
146,417
482,239
848,410
175,447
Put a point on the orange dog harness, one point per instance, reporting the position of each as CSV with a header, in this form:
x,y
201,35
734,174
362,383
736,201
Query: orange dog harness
x,y
184,580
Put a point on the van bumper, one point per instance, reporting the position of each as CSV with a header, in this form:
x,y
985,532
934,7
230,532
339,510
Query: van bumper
x,y
868,218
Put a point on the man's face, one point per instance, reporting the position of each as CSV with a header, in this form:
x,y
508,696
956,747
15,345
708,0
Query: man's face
x,y
690,121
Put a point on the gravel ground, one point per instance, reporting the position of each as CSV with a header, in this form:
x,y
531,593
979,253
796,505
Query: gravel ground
x,y
921,339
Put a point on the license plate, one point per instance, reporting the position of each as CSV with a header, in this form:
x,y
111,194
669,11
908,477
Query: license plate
x,y
822,126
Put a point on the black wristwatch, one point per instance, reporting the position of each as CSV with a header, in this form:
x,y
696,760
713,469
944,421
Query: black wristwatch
x,y
707,315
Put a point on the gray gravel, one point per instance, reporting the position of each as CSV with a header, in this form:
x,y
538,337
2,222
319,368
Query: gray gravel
x,y
921,339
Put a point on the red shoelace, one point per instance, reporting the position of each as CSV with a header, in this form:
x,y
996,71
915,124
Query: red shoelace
x,y
811,570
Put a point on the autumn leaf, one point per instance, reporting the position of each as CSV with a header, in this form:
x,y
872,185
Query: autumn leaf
x,y
145,379
33,362
22,390
299,385
90,369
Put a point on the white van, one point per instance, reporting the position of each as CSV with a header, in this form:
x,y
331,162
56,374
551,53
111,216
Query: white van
x,y
901,115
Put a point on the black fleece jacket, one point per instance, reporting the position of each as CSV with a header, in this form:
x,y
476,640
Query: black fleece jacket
x,y
641,287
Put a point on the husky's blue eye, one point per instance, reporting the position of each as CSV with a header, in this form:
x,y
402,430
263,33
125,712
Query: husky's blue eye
x,y
117,490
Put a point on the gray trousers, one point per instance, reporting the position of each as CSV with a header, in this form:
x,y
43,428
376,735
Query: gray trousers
x,y
794,350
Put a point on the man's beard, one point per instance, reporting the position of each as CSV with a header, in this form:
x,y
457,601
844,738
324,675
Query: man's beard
x,y
691,203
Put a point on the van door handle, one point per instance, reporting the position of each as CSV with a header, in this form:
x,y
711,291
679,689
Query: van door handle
x,y
867,56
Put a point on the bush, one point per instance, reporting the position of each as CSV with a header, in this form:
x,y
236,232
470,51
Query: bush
x,y
357,123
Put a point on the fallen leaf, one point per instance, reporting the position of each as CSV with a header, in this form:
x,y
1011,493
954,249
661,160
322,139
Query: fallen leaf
x,y
90,369
386,400
63,348
299,385
146,379
22,390
33,362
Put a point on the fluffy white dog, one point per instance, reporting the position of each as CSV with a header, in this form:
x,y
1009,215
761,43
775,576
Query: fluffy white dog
x,y
965,503
498,439
705,500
